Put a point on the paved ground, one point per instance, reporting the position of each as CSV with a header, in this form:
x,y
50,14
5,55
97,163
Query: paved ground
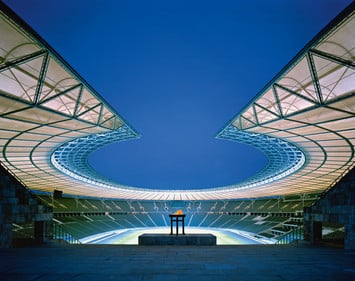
x,y
192,263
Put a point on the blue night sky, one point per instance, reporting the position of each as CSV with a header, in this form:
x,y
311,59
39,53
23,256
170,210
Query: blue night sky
x,y
178,71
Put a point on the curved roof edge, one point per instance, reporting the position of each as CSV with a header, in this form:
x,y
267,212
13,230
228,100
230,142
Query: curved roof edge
x,y
284,158
308,109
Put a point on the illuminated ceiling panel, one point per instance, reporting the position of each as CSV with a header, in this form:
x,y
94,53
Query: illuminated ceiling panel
x,y
44,103
303,120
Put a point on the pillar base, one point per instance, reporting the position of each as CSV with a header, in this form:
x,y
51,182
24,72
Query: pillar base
x,y
187,239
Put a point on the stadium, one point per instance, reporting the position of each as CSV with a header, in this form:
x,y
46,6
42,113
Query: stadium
x,y
52,119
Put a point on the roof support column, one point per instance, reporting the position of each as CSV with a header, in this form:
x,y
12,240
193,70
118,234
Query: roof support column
x,y
314,75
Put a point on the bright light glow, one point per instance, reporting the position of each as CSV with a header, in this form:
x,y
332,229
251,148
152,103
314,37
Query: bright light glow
x,y
130,236
284,159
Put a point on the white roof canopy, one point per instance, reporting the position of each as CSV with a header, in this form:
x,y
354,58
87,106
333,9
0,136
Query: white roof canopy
x,y
51,119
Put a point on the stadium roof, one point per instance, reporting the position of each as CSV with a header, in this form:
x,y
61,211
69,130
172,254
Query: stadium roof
x,y
303,120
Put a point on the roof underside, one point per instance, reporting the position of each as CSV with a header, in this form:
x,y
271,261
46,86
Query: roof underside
x,y
51,120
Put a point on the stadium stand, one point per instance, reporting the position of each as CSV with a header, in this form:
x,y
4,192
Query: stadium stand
x,y
267,218
303,120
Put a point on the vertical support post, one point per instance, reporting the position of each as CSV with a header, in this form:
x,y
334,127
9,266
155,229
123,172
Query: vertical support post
x,y
177,219
316,232
171,225
39,232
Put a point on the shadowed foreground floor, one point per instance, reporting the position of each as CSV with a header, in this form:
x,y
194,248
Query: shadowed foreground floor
x,y
242,262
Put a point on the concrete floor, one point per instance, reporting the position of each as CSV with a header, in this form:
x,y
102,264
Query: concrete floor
x,y
192,263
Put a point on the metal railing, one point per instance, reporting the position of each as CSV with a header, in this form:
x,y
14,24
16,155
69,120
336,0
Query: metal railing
x,y
293,235
60,234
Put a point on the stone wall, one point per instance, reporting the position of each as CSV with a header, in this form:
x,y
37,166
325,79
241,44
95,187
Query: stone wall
x,y
335,206
19,205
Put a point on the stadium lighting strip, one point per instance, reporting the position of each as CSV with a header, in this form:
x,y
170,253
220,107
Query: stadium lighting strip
x,y
284,158
51,119
71,157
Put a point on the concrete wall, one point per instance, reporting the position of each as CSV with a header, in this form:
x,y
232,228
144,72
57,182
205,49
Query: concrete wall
x,y
18,205
335,206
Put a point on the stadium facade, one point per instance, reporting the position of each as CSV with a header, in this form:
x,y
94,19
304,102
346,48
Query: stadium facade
x,y
51,119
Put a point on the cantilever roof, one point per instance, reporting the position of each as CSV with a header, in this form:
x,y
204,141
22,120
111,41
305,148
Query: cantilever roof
x,y
43,104
303,120
310,104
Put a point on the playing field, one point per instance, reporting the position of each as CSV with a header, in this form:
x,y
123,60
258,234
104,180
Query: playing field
x,y
130,236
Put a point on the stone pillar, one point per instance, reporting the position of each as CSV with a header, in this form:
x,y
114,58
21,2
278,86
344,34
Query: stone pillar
x,y
316,234
5,235
349,239
312,229
47,230
39,232
43,230
19,205
7,200
307,230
